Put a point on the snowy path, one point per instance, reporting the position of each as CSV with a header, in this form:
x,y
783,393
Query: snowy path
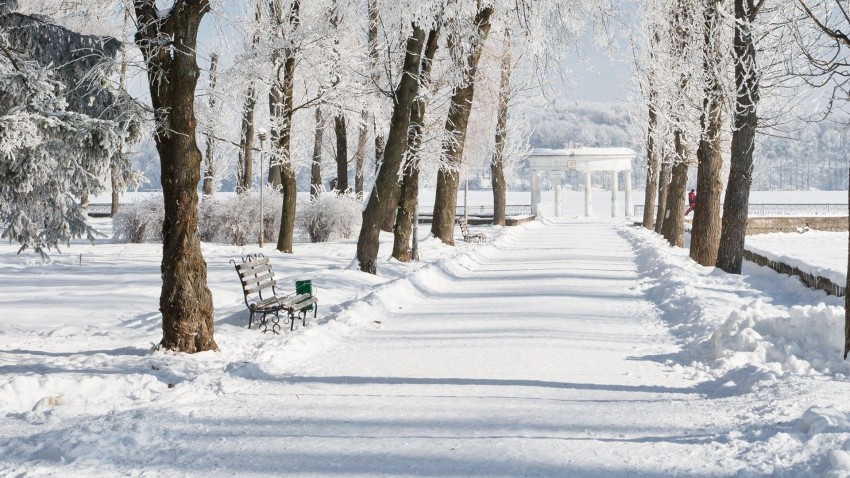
x,y
537,355
538,360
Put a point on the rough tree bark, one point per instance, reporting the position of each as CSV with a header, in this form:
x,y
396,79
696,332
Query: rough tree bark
x,y
673,228
409,193
246,141
372,38
113,210
360,152
705,235
316,165
185,301
280,107
736,204
663,186
209,166
497,165
380,201
341,153
456,125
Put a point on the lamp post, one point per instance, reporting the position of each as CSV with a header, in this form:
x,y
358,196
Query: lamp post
x,y
262,134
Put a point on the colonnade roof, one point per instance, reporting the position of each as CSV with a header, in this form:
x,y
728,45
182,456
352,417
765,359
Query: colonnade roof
x,y
582,159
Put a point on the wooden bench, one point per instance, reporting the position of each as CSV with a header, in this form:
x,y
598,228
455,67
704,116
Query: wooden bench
x,y
262,296
468,236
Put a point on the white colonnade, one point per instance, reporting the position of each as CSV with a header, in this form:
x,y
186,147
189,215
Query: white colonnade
x,y
584,160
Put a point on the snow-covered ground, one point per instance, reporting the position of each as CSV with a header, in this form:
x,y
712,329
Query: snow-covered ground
x,y
572,202
819,253
565,347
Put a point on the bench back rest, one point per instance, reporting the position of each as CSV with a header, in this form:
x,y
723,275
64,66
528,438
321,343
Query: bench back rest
x,y
464,227
256,275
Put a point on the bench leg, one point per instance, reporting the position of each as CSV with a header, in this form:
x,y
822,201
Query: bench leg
x,y
291,321
250,319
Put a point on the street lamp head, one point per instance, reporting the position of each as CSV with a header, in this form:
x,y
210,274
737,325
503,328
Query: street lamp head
x,y
262,134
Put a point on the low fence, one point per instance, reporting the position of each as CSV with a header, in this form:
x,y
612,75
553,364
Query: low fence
x,y
510,210
822,209
813,281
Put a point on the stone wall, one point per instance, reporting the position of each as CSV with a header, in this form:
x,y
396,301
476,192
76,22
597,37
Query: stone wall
x,y
764,225
815,282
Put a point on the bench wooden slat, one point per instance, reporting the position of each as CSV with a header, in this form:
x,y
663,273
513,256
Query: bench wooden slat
x,y
306,303
253,289
255,270
258,278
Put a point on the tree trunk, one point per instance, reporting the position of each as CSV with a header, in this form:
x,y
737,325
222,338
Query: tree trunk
x,y
115,197
341,153
380,146
663,187
705,235
847,288
209,173
360,153
380,201
316,166
409,192
280,106
246,141
736,205
673,228
185,301
652,161
652,156
456,124
497,165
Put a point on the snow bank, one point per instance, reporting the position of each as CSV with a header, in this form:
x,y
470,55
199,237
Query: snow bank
x,y
727,322
805,340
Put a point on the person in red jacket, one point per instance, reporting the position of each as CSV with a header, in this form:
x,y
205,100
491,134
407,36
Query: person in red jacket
x,y
692,201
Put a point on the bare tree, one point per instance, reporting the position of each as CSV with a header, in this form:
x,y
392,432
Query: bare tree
x,y
286,20
168,41
316,165
209,167
382,200
456,124
497,165
409,193
745,124
705,235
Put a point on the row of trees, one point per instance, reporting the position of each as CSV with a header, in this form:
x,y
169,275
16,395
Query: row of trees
x,y
717,75
411,82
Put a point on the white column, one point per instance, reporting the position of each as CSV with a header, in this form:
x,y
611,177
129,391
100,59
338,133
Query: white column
x,y
630,205
588,195
535,192
614,192
558,197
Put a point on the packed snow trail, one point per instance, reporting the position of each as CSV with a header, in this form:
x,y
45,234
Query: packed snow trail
x,y
535,355
541,358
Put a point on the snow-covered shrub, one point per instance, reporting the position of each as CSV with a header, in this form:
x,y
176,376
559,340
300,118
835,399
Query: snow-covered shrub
x,y
141,221
236,219
331,215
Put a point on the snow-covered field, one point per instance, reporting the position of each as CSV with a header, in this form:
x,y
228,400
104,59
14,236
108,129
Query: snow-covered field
x,y
819,253
572,202
565,347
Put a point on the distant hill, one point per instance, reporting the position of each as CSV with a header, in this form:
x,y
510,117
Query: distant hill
x,y
585,123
